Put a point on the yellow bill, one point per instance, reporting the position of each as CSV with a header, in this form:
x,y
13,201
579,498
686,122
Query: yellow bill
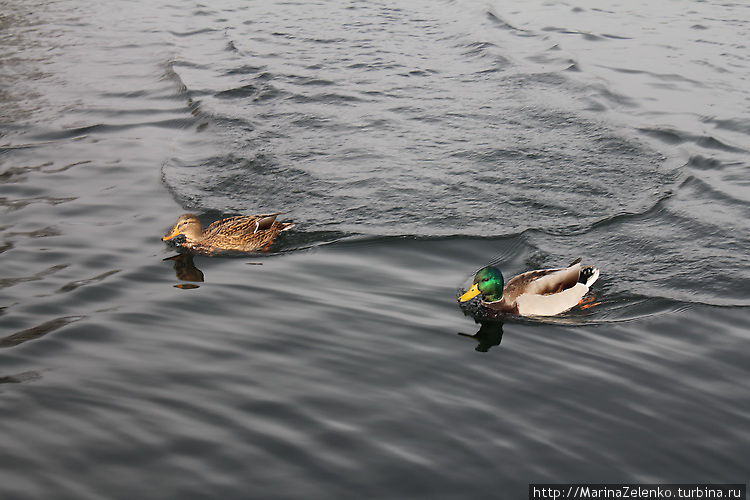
x,y
470,294
171,235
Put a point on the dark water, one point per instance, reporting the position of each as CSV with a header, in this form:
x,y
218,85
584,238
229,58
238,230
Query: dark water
x,y
411,142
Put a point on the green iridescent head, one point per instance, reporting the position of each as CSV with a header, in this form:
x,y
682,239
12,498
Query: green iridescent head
x,y
488,282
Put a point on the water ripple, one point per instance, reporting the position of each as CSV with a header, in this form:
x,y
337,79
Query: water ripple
x,y
412,144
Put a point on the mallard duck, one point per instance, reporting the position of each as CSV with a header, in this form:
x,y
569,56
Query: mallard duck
x,y
244,233
543,292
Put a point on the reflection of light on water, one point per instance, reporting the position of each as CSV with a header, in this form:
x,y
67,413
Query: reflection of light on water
x,y
186,286
20,378
37,331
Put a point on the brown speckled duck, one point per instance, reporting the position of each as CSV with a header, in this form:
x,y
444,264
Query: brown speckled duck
x,y
244,233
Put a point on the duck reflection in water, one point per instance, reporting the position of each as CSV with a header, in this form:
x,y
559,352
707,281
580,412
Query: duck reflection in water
x,y
185,270
489,335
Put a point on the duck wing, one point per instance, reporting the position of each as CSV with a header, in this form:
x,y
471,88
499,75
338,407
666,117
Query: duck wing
x,y
542,282
241,225
556,290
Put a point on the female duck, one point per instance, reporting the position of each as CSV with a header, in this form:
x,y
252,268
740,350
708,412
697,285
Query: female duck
x,y
244,233
544,292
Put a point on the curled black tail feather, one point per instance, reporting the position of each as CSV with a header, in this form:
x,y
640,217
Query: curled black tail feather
x,y
586,273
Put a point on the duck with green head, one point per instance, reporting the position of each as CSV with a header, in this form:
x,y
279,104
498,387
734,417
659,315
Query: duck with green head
x,y
542,292
489,283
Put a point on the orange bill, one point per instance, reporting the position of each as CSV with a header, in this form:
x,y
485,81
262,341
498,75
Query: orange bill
x,y
171,235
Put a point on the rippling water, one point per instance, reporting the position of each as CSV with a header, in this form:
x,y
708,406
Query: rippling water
x,y
412,142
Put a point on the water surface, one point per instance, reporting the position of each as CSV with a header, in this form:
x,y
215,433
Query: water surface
x,y
412,143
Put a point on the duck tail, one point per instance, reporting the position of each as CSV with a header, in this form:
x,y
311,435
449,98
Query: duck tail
x,y
589,275
264,222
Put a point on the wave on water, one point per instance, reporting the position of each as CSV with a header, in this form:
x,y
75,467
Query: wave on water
x,y
399,142
374,132
412,143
